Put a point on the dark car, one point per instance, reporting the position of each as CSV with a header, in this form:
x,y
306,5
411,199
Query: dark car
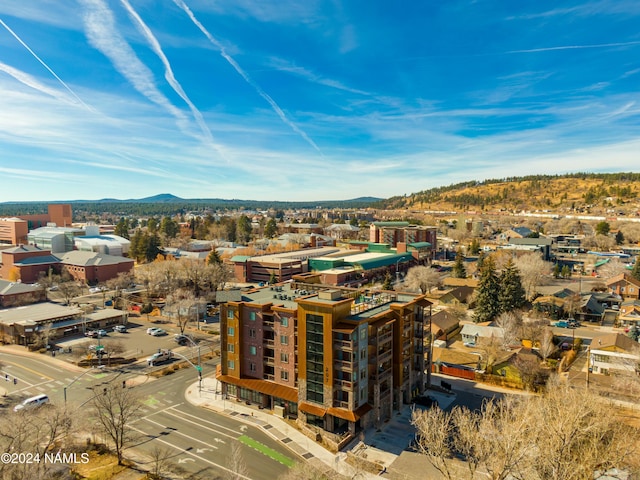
x,y
425,401
182,339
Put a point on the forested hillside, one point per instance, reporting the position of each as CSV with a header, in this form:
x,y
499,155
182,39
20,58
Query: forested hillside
x,y
545,192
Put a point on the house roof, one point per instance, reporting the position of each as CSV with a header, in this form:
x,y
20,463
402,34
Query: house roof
x,y
459,282
481,331
455,357
39,260
626,277
444,320
461,294
614,342
531,241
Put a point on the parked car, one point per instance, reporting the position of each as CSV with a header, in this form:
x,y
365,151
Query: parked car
x,y
101,333
96,289
158,332
562,324
425,401
91,333
150,330
573,323
120,328
182,339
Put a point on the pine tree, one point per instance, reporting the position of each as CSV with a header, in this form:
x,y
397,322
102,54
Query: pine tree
x,y
512,295
487,301
458,270
214,257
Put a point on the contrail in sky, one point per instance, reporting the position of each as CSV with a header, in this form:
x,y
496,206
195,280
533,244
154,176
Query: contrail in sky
x,y
576,47
168,72
243,74
46,66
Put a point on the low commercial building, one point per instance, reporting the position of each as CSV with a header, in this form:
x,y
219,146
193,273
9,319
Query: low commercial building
x,y
44,322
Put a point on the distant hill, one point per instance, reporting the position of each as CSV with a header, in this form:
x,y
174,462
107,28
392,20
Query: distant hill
x,y
593,192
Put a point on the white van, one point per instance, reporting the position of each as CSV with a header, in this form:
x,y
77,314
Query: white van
x,y
32,402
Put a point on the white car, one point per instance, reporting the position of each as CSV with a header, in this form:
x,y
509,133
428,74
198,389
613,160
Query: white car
x,y
158,332
150,330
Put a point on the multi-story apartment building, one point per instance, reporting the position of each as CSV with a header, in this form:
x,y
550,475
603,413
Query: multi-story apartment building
x,y
338,359
393,233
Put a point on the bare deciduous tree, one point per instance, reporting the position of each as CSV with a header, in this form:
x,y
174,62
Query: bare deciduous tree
x,y
422,278
547,347
533,272
565,433
34,431
115,411
511,324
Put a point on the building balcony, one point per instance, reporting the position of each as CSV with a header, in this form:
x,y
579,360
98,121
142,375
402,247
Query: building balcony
x,y
381,339
268,360
269,342
343,365
341,404
384,356
344,384
343,345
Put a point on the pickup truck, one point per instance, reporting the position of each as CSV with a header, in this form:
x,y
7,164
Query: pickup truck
x,y
159,357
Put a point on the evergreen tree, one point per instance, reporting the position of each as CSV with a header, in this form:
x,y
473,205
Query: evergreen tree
x,y
635,272
565,272
152,247
459,271
136,249
271,228
122,228
619,238
487,301
512,295
214,257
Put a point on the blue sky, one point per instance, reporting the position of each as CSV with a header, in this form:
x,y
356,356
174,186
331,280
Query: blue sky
x,y
310,99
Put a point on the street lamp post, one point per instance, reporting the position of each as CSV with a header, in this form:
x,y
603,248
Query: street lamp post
x,y
197,367
99,367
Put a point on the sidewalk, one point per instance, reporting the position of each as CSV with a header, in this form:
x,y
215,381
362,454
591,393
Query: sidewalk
x,y
381,446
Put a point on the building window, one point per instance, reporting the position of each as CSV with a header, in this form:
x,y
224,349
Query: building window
x,y
315,358
253,350
252,367
284,357
284,321
284,375
252,333
284,340
229,314
231,364
252,316
230,331
231,347
363,354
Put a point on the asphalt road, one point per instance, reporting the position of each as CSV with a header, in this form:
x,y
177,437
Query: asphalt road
x,y
194,440
199,441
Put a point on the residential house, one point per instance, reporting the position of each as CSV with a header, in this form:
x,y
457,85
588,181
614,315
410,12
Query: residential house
x,y
629,314
625,286
473,333
614,353
444,325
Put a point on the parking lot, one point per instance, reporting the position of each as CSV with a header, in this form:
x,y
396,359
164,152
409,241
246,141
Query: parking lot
x,y
136,342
